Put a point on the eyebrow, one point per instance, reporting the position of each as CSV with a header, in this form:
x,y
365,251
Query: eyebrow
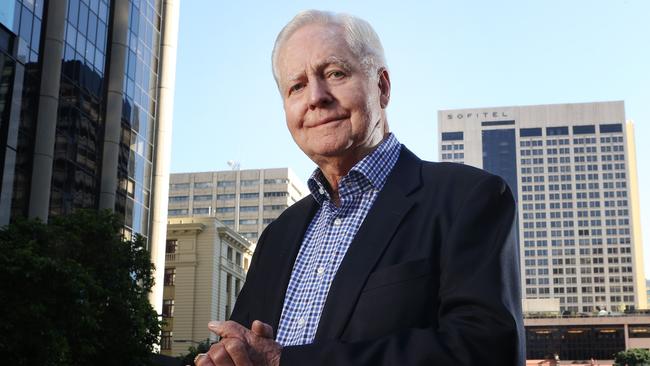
x,y
331,60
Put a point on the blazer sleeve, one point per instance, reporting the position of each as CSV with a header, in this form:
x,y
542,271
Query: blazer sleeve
x,y
479,313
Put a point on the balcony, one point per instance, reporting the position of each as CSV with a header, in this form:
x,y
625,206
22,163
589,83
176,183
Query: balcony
x,y
233,267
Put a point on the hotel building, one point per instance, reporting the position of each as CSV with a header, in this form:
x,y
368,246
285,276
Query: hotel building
x,y
572,170
244,200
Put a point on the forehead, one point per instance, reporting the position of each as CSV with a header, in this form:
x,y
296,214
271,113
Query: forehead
x,y
312,46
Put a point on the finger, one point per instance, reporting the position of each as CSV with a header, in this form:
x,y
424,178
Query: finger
x,y
228,329
262,329
237,351
217,356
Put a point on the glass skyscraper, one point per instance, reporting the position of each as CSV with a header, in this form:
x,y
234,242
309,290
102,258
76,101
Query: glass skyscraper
x,y
572,170
82,122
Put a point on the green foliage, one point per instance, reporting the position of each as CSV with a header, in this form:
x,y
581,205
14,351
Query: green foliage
x,y
193,351
74,292
633,357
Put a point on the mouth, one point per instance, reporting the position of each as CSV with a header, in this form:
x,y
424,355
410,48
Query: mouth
x,y
327,120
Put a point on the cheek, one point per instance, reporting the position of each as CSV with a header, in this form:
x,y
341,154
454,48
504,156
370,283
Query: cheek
x,y
293,117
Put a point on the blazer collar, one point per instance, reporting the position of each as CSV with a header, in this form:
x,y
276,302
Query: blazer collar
x,y
373,236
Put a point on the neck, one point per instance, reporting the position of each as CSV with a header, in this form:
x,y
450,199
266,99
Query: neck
x,y
334,168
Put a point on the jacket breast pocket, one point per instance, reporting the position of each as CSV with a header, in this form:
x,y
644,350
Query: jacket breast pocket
x,y
397,273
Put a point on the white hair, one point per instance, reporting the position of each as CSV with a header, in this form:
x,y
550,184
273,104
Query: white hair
x,y
359,35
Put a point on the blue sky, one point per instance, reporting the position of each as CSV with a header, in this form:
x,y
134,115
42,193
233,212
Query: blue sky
x,y
441,55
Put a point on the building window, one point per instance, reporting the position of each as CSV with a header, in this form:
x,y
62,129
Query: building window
x,y
226,183
250,235
452,136
225,209
229,254
171,246
177,212
249,182
248,209
179,186
166,340
276,181
202,185
248,222
248,196
201,211
203,197
170,276
238,259
168,308
276,194
274,207
225,197
178,199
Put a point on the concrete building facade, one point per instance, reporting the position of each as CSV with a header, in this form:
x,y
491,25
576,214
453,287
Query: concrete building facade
x,y
578,340
86,101
205,268
572,170
244,200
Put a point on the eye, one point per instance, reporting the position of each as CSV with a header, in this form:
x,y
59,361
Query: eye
x,y
336,74
296,88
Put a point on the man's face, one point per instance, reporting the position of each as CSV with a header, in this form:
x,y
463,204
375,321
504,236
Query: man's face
x,y
332,106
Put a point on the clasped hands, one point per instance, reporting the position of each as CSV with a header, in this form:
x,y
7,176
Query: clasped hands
x,y
240,346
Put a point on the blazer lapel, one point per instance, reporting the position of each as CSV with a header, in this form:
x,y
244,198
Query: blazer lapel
x,y
285,249
373,236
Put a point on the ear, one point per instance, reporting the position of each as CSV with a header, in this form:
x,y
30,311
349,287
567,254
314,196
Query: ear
x,y
384,87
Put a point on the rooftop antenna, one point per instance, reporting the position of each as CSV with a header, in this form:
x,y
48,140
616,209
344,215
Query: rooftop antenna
x,y
234,165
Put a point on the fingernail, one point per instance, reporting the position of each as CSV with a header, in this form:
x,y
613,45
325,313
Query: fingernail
x,y
214,324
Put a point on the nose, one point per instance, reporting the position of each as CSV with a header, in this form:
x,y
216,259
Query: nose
x,y
319,94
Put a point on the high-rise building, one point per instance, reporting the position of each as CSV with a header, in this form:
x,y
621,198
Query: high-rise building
x,y
86,95
244,200
206,264
572,170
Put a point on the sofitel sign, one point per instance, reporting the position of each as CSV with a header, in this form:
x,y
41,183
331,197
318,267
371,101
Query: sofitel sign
x,y
477,115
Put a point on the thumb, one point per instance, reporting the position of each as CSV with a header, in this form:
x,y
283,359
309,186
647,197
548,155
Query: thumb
x,y
262,329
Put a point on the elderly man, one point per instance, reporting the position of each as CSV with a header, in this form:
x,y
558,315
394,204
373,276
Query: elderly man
x,y
391,260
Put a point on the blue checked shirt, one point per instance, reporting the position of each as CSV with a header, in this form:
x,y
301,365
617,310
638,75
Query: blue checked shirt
x,y
327,240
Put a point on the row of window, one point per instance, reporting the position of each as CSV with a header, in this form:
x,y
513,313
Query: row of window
x,y
227,183
585,299
453,156
225,197
567,150
453,147
565,141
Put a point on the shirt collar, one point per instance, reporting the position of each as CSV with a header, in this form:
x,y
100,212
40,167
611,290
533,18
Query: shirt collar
x,y
371,172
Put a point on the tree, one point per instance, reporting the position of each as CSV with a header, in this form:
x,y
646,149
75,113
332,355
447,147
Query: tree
x,y
193,351
74,292
633,357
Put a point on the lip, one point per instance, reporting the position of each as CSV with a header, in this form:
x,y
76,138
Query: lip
x,y
327,120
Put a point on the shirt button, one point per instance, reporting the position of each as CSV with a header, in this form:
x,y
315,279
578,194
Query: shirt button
x,y
337,221
301,322
320,271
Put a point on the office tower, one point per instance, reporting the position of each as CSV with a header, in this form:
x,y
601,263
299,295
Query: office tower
x,y
206,264
572,170
86,99
244,200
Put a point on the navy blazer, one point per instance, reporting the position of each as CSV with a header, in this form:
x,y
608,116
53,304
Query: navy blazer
x,y
431,278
